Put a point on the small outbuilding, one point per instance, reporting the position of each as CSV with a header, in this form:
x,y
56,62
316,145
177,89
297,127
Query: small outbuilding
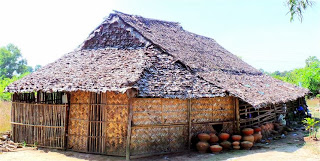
x,y
138,86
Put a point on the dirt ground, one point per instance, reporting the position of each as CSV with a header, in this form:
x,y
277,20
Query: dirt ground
x,y
294,147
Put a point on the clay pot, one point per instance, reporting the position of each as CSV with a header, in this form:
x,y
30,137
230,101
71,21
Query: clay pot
x,y
213,138
203,137
247,131
236,147
202,146
257,137
226,144
246,144
248,138
215,148
236,137
235,143
257,129
224,136
271,126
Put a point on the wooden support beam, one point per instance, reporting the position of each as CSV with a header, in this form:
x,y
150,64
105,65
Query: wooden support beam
x,y
131,94
237,114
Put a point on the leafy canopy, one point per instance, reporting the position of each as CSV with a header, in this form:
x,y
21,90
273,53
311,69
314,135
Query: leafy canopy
x,y
296,8
11,62
307,77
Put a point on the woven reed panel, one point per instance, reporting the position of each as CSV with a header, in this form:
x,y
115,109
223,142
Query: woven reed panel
x,y
114,98
116,138
116,113
146,111
212,109
178,137
200,128
227,127
201,110
174,111
77,143
148,140
79,111
80,97
78,125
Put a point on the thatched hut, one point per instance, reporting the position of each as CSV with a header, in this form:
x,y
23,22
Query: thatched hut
x,y
140,86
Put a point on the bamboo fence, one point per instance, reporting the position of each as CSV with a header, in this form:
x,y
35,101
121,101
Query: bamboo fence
x,y
39,124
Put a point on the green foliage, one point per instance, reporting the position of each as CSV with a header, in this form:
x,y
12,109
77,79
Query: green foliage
x,y
11,62
311,125
5,96
296,8
24,143
307,77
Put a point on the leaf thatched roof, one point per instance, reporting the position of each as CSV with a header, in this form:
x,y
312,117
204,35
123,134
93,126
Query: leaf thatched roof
x,y
160,59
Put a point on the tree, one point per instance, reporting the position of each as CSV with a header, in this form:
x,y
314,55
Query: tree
x,y
11,62
296,8
310,60
308,77
37,67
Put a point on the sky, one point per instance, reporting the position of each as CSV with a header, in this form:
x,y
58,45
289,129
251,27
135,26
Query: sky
x,y
258,31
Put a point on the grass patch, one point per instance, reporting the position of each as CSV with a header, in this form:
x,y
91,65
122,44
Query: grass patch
x,y
5,109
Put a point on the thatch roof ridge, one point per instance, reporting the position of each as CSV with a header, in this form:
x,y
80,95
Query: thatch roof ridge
x,y
219,62
190,48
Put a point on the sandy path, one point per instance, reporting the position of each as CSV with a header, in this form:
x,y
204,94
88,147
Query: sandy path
x,y
292,148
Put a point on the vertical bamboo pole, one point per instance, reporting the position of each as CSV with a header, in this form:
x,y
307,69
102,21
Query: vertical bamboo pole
x,y
237,114
189,123
129,129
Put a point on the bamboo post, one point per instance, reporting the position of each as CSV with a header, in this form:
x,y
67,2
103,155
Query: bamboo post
x,y
129,129
237,114
189,124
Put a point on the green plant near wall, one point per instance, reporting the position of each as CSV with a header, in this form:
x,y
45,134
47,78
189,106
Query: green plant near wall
x,y
311,126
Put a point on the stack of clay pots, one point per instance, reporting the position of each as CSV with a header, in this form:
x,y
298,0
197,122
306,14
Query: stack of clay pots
x,y
257,134
236,141
203,144
224,140
248,138
215,148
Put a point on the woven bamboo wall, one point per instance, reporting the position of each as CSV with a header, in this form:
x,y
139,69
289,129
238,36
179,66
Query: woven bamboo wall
x,y
161,125
98,127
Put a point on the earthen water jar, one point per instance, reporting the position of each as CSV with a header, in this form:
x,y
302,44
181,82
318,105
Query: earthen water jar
x,y
226,144
213,138
215,148
202,146
203,137
257,129
248,138
247,131
236,147
236,137
257,137
235,143
224,136
246,144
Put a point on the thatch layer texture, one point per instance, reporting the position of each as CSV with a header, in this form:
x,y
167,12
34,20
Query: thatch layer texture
x,y
87,70
168,78
160,59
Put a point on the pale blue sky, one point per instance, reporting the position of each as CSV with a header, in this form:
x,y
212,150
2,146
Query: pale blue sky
x,y
257,30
